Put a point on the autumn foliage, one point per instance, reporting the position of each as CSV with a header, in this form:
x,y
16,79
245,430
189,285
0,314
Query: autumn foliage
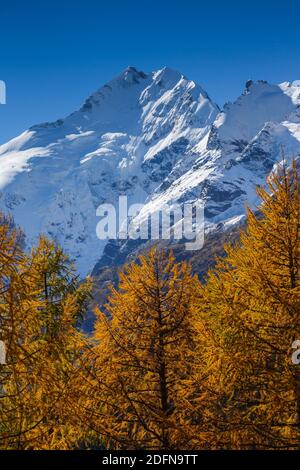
x,y
40,305
172,363
143,356
249,315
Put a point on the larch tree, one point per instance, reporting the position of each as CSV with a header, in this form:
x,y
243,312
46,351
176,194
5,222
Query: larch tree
x,y
11,289
41,303
250,311
142,356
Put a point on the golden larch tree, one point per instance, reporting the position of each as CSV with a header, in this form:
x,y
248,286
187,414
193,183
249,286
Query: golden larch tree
x,y
142,357
41,303
250,311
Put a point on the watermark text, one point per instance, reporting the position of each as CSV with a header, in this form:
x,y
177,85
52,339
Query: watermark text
x,y
178,222
2,92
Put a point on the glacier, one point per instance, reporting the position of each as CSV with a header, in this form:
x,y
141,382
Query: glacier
x,y
157,138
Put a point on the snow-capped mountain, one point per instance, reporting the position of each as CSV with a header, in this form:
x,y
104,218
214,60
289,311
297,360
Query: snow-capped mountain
x,y
242,146
157,138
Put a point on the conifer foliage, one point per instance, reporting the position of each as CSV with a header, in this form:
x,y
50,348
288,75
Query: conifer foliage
x,y
143,355
40,303
172,363
249,312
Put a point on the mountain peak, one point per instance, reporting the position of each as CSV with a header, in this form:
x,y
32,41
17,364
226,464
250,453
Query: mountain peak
x,y
167,74
130,76
251,85
261,102
156,138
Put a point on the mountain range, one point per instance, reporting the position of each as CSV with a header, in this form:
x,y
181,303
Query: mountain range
x,y
157,138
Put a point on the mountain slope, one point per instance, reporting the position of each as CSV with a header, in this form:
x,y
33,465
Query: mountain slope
x,y
241,148
157,138
54,176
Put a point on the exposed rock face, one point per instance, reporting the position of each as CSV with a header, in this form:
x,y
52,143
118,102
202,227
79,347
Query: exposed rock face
x,y
157,138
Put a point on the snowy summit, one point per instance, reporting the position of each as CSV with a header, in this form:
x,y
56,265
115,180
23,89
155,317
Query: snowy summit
x,y
157,138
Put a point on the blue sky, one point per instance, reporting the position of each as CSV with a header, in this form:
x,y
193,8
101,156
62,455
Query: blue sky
x,y
53,54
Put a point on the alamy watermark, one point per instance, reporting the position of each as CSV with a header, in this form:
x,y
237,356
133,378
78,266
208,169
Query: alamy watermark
x,y
178,222
2,92
296,353
2,353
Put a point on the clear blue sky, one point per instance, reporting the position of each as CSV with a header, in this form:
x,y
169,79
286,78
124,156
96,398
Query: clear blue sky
x,y
53,54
